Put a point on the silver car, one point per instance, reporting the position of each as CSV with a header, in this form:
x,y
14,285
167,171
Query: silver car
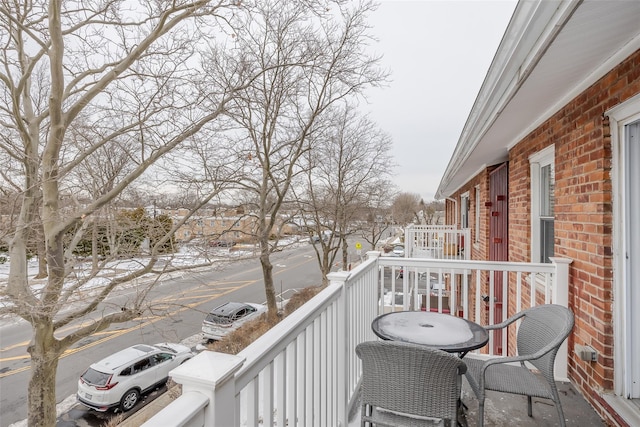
x,y
398,250
228,317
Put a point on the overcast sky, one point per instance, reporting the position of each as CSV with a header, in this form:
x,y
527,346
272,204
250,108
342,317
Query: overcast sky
x,y
438,53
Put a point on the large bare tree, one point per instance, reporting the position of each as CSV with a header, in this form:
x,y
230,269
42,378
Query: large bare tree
x,y
313,57
405,208
80,81
351,156
433,212
375,221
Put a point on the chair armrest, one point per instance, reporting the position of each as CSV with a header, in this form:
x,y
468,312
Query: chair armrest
x,y
500,360
538,354
505,323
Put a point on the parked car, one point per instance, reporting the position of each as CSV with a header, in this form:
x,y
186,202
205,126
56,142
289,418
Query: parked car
x,y
221,243
228,317
118,381
395,302
316,239
398,250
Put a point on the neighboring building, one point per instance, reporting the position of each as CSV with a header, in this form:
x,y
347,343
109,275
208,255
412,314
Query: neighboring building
x,y
227,225
548,164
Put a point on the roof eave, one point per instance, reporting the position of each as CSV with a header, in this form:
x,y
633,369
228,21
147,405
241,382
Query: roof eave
x,y
532,28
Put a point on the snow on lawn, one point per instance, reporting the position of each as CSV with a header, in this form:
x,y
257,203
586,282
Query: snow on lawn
x,y
188,255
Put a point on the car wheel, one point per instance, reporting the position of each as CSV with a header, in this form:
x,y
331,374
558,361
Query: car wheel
x,y
129,400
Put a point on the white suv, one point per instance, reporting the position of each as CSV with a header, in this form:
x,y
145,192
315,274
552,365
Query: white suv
x,y
118,381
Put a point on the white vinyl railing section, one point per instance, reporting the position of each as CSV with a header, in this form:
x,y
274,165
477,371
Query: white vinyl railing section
x,y
304,371
467,288
437,241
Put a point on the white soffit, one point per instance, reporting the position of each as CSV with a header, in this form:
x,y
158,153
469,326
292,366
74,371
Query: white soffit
x,y
597,36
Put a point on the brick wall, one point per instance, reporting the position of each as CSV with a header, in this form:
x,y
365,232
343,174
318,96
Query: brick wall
x,y
583,212
583,216
478,250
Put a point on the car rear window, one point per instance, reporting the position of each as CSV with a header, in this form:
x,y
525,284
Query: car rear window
x,y
94,377
226,313
214,318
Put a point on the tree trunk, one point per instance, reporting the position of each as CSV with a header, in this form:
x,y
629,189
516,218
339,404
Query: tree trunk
x,y
326,268
42,257
94,248
345,254
42,383
41,251
267,274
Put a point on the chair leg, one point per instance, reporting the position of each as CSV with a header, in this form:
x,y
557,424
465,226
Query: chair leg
x,y
461,415
454,421
556,400
560,415
529,407
363,414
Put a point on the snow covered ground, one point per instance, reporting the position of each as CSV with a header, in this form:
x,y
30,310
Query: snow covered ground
x,y
187,256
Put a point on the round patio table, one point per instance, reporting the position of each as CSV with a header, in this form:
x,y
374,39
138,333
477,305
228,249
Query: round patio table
x,y
437,330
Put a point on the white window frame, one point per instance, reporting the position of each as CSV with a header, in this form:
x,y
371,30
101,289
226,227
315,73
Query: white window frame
x,y
623,355
464,210
537,161
477,215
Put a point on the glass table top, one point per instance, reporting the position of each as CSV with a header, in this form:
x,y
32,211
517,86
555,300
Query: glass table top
x,y
438,330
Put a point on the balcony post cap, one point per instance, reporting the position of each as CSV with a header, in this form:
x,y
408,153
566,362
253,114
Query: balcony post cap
x,y
208,369
561,260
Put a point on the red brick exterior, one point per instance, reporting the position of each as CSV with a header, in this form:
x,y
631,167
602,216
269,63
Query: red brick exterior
x,y
583,217
479,249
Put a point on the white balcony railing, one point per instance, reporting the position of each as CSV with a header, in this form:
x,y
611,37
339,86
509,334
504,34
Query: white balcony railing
x,y
304,371
437,241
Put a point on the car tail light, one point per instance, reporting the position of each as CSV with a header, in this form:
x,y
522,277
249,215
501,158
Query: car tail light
x,y
108,386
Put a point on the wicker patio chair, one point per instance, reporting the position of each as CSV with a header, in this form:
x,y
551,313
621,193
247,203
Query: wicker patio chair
x,y
408,385
541,332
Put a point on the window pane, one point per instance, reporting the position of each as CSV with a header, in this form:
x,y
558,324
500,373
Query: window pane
x,y
477,233
464,211
547,198
546,239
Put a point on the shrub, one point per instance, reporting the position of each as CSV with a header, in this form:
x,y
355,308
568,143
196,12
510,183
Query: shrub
x,y
300,297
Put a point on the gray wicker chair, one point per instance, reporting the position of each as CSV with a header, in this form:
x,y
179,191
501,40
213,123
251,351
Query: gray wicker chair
x,y
406,384
540,334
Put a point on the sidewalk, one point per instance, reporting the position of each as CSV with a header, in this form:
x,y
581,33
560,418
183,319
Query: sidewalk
x,y
149,410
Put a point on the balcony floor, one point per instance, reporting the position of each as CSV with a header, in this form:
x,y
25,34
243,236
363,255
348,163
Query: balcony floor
x,y
503,409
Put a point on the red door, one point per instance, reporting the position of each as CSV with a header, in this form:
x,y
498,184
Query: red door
x,y
498,240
